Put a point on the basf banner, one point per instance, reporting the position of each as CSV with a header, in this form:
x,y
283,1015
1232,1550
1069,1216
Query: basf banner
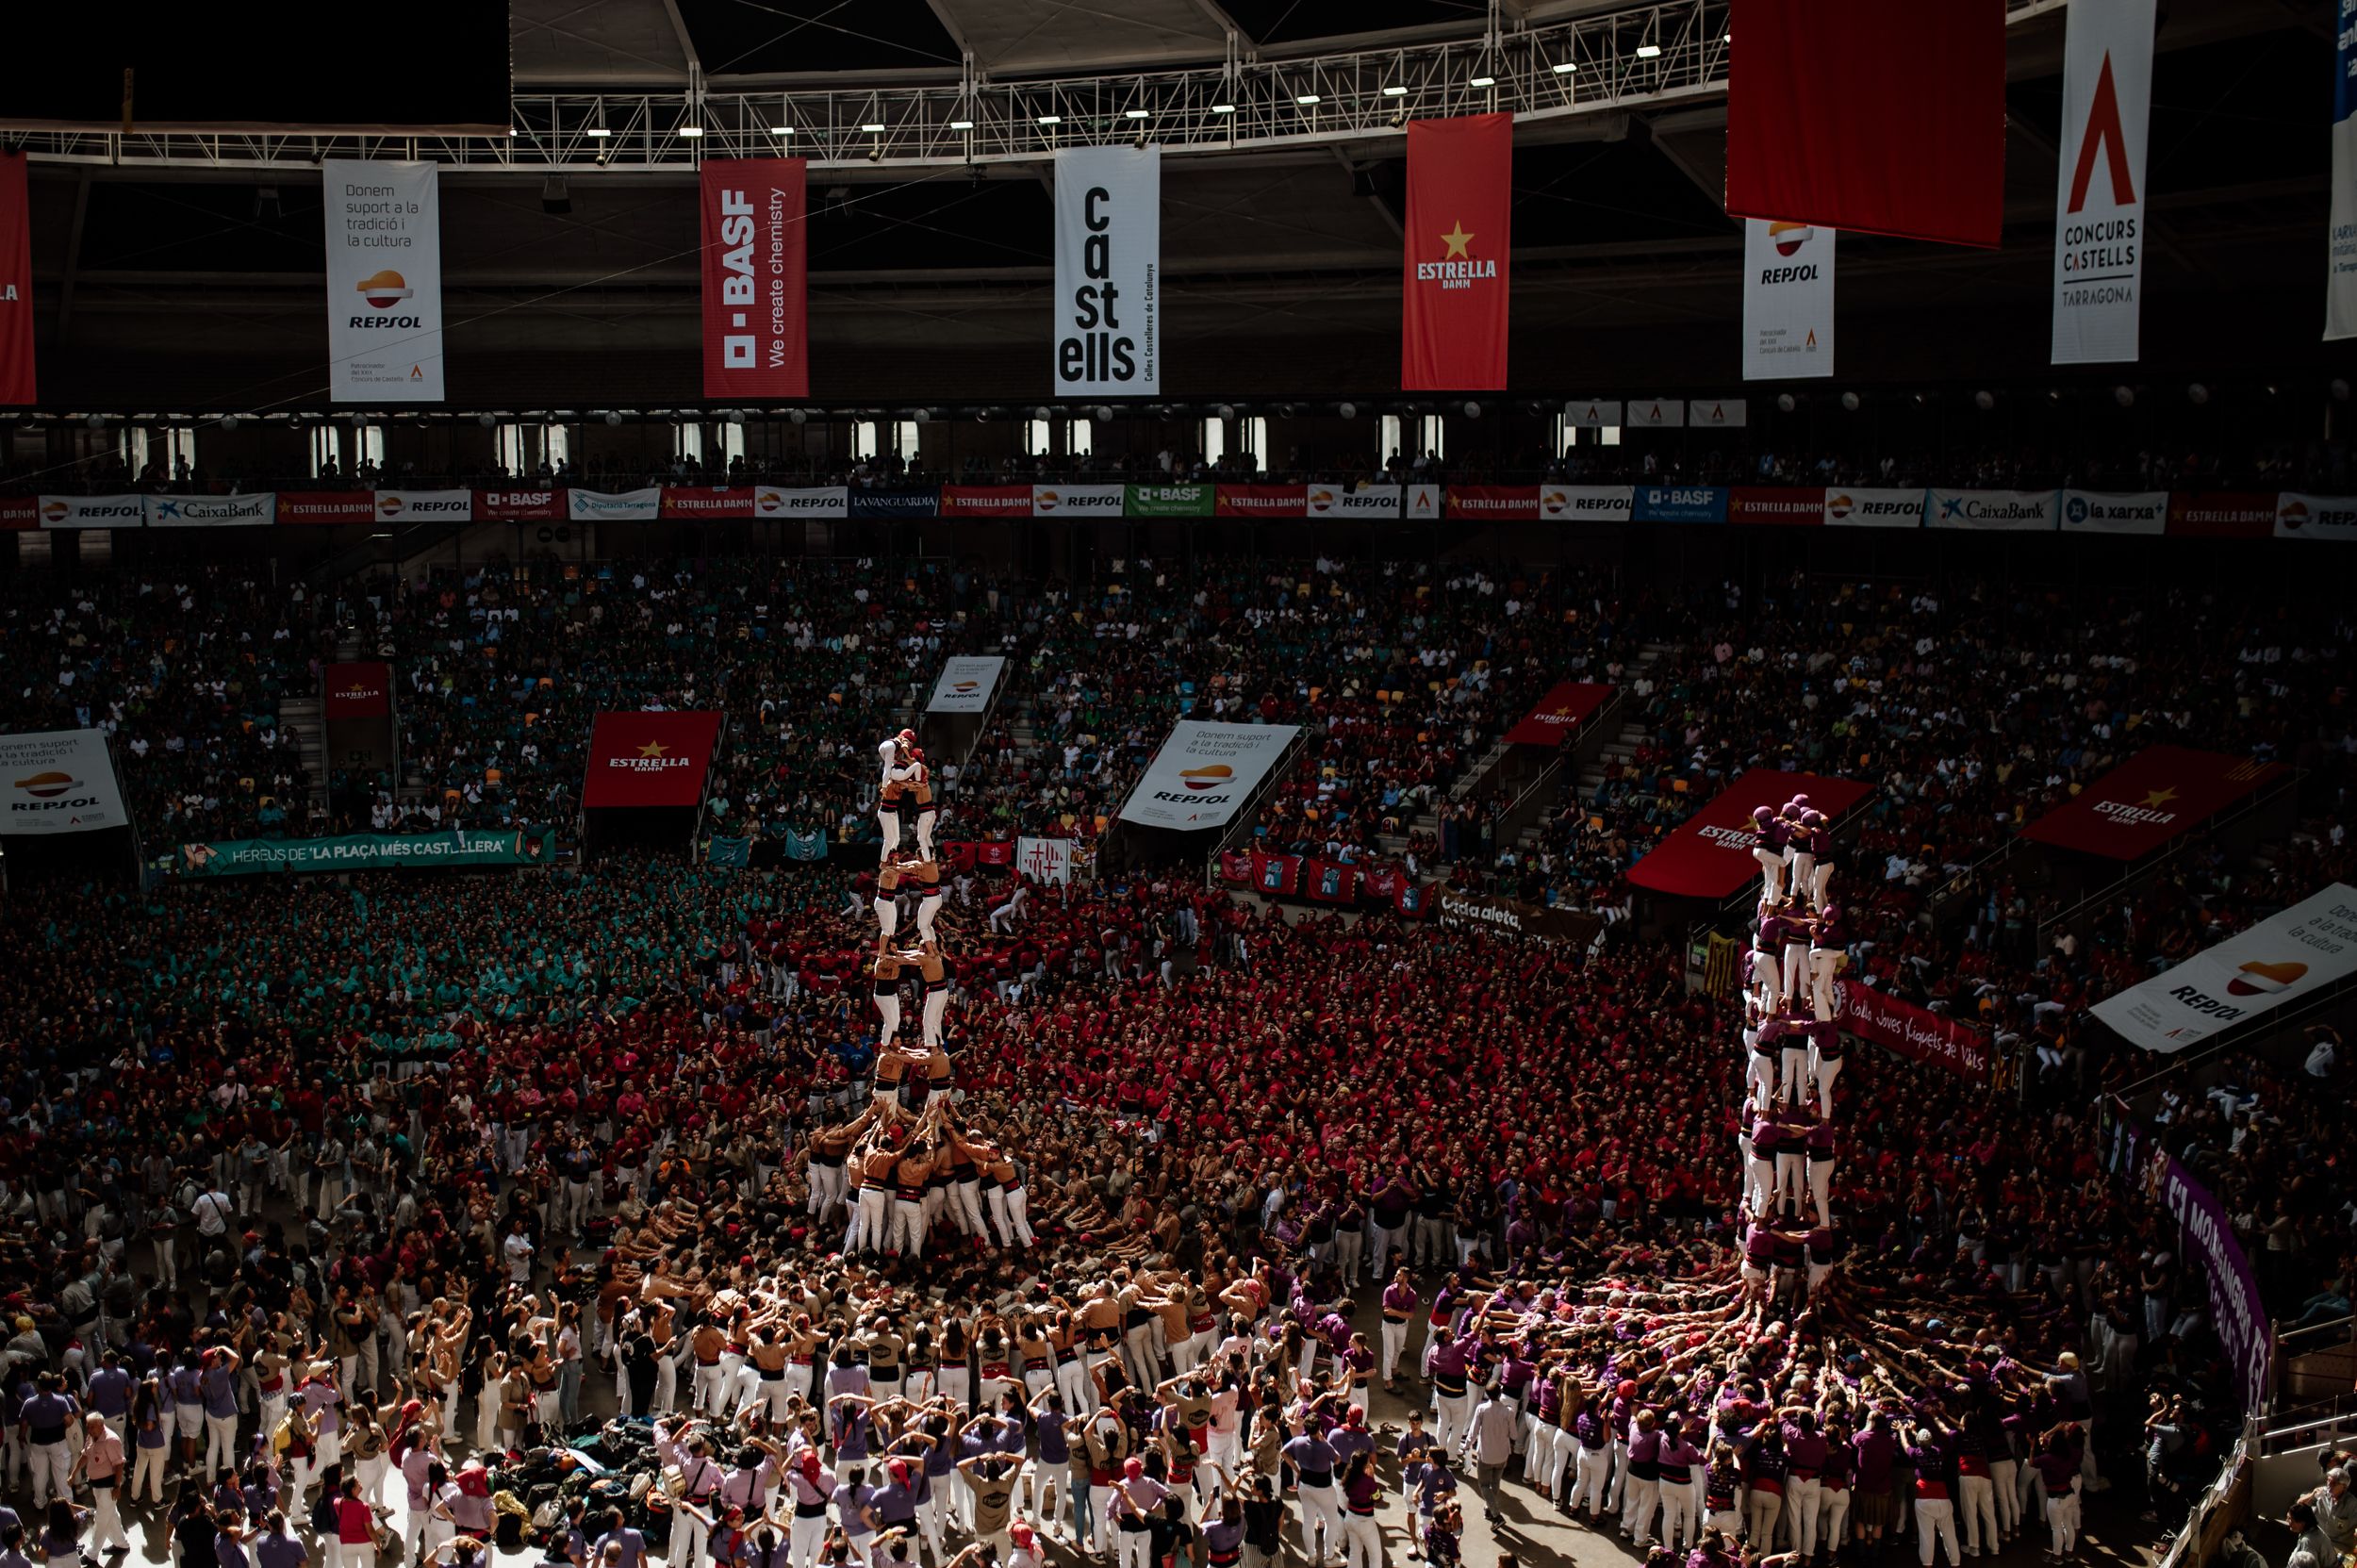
x,y
614,506
2111,512
756,326
519,506
2340,278
1851,506
92,511
2148,799
260,510
1709,854
1204,773
1454,276
2287,959
16,283
966,682
648,759
1788,300
58,782
2099,211
2315,517
1109,259
384,281
2021,511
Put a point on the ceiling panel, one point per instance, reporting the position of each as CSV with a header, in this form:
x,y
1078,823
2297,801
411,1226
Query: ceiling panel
x,y
767,37
1031,37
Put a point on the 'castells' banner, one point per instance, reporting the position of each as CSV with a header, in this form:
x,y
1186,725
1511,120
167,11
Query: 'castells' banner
x,y
1204,773
1788,300
1460,178
1108,257
756,327
384,281
2340,286
2099,207
2299,955
58,781
366,851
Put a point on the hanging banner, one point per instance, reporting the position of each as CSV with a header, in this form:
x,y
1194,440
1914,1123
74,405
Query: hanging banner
x,y
1330,881
1046,861
1880,508
614,506
520,506
1414,900
2286,959
1493,503
1424,503
1276,876
1913,1032
808,501
2221,514
327,507
719,501
805,846
384,281
1657,414
1680,504
359,689
92,511
2298,516
1108,257
1170,501
2020,511
986,500
966,683
2110,512
2099,211
2340,280
1488,912
1259,501
1788,300
1559,712
1460,176
425,505
258,510
1586,502
648,759
1369,501
2239,1314
1077,501
1591,415
1204,772
58,782
1717,414
1709,854
16,283
1784,507
2148,799
756,328
366,851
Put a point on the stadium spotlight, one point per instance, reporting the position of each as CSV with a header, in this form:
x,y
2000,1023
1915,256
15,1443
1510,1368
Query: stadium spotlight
x,y
797,416
1104,413
1983,400
2197,394
1786,402
875,151
1347,411
1849,400
96,422
613,415
1042,413
228,422
1473,410
488,421
1485,80
1563,68
1284,410
2124,395
1394,90
733,415
1226,410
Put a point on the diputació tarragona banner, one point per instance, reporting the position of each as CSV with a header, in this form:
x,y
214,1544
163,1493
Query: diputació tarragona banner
x,y
366,851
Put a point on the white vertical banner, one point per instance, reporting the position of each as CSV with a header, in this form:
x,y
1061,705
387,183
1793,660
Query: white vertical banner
x,y
1788,300
2340,286
384,282
1045,861
2099,194
1108,261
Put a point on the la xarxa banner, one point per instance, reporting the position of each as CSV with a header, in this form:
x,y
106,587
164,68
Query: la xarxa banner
x,y
2099,209
1913,1032
2031,511
92,511
719,501
2115,511
1454,288
1341,501
2315,517
2340,284
1852,507
1046,861
361,689
2148,799
1680,504
1559,712
1788,300
986,500
1109,258
2281,960
58,782
16,283
756,326
366,851
965,684
1259,501
1763,506
2239,1314
1493,503
1709,854
384,281
520,506
1170,501
257,510
1586,502
425,505
648,759
1204,773
327,508
805,500
643,506
1077,501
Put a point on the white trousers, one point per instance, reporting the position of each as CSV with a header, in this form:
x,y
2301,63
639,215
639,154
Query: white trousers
x,y
1935,1523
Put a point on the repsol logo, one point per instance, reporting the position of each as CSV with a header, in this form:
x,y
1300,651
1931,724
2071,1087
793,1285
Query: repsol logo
x,y
53,805
2210,1006
1788,274
1181,798
384,322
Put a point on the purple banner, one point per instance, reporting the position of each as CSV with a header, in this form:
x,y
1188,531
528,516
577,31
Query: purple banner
x,y
2237,1311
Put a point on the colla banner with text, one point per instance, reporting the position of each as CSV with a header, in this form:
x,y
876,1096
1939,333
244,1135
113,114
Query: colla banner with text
x,y
2099,209
1109,258
757,258
384,281
1453,305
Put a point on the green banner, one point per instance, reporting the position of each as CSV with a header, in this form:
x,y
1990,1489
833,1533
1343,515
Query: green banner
x,y
1170,501
366,851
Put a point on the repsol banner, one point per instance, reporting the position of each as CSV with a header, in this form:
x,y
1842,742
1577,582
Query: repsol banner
x,y
1851,506
1204,773
92,511
1077,501
2279,962
1586,502
815,501
384,281
1788,300
1339,500
58,782
368,851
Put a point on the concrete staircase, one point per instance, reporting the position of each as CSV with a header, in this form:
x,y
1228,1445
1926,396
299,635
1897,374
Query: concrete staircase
x,y
303,716
1613,754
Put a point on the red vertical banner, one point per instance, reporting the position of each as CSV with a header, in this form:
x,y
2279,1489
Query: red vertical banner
x,y
16,283
756,279
1460,198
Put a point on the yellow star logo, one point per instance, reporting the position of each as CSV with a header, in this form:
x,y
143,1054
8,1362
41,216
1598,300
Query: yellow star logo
x,y
652,749
1456,239
2159,797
